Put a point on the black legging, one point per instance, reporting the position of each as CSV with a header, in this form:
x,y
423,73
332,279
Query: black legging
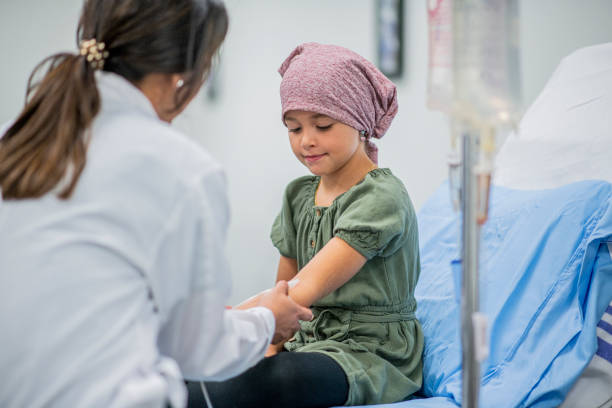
x,y
288,379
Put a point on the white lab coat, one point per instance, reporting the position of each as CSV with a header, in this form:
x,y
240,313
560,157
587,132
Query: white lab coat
x,y
110,298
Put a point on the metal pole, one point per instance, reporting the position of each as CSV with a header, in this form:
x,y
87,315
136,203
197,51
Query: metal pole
x,y
469,287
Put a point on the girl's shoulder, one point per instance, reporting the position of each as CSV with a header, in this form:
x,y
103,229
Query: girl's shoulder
x,y
380,192
377,186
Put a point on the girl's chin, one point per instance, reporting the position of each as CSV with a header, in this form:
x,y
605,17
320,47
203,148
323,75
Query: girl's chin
x,y
315,168
318,169
316,172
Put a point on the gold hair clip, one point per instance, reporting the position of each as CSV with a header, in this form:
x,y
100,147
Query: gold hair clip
x,y
94,52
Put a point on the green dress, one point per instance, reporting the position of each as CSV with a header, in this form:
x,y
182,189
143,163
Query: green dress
x,y
368,325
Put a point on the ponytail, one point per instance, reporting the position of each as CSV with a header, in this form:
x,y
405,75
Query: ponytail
x,y
45,149
46,146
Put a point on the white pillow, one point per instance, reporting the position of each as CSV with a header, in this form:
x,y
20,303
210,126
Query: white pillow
x,y
566,134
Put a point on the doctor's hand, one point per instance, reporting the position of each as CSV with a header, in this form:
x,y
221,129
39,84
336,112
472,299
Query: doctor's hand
x,y
287,313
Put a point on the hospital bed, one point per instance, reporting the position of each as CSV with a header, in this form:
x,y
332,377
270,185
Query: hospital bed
x,y
545,257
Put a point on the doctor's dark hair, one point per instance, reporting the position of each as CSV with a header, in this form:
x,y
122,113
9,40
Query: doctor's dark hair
x,y
46,146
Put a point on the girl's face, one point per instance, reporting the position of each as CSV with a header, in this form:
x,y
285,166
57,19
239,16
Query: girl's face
x,y
321,143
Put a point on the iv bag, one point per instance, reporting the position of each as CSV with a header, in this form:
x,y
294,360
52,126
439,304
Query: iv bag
x,y
474,76
440,69
486,72
474,72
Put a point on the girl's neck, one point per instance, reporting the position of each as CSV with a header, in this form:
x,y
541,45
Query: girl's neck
x,y
332,185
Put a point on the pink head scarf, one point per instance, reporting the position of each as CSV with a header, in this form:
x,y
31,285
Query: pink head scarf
x,y
341,84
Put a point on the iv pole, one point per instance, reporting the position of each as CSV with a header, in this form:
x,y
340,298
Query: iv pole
x,y
470,233
474,77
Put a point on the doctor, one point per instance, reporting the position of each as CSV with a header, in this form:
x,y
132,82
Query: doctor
x,y
113,278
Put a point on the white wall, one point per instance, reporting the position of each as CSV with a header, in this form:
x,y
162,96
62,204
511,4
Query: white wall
x,y
31,30
242,127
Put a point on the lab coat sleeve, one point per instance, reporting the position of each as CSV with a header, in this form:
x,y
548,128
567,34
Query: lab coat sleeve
x,y
208,341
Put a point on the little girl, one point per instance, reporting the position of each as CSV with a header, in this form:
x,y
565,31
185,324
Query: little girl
x,y
348,241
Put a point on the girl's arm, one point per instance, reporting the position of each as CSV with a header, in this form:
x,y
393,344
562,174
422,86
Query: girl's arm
x,y
334,265
331,267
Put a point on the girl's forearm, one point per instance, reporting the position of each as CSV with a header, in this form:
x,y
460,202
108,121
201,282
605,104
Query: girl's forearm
x,y
334,265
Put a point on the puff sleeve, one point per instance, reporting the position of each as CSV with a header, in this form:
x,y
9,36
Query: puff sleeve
x,y
284,230
283,233
376,219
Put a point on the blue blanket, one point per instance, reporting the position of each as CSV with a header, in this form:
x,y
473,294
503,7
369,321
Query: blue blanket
x,y
545,282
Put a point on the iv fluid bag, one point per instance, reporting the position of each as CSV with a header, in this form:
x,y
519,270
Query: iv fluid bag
x,y
440,69
486,72
474,72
